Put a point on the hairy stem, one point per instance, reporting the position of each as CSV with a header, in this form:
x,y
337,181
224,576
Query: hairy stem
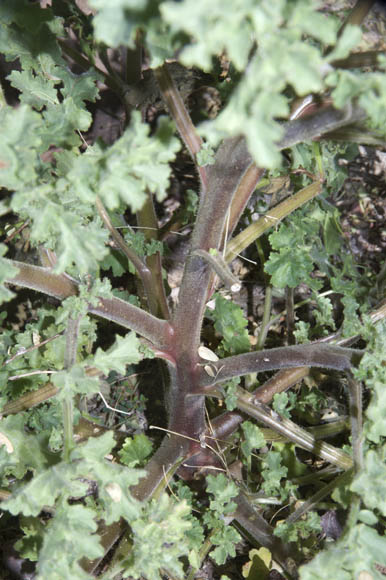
x,y
223,180
147,219
181,117
290,318
157,331
262,533
221,268
316,354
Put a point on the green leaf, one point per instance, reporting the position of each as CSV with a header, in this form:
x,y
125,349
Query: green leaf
x,y
43,490
7,271
372,370
302,529
223,490
254,439
135,450
302,332
70,532
124,351
208,27
113,480
30,33
226,539
206,155
21,139
281,58
230,322
349,39
288,268
350,85
324,313
367,517
230,391
161,533
74,382
360,550
370,483
37,91
116,21
30,544
273,471
134,164
283,404
259,564
26,452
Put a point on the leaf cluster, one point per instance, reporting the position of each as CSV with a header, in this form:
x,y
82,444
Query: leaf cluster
x,y
79,486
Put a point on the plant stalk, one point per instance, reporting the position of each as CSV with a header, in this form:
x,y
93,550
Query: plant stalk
x,y
291,431
181,117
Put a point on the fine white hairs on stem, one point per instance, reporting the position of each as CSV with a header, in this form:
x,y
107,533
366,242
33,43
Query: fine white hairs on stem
x,y
214,259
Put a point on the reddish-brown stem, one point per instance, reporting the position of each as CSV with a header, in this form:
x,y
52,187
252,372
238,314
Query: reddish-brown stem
x,y
181,117
223,180
225,424
147,219
43,280
246,187
253,523
142,269
158,332
316,355
359,59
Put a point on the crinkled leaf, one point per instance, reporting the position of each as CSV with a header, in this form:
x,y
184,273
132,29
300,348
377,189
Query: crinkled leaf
x,y
71,531
358,551
288,268
208,27
226,539
254,439
7,271
280,58
27,453
73,382
134,164
78,242
124,351
29,33
301,529
230,322
273,471
20,140
116,21
43,490
370,483
113,480
161,532
223,491
135,450
37,91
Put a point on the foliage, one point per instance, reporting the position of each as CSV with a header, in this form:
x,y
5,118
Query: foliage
x,y
101,215
291,532
230,323
361,550
223,536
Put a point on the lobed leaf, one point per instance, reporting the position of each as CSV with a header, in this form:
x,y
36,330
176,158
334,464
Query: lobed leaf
x,y
124,351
